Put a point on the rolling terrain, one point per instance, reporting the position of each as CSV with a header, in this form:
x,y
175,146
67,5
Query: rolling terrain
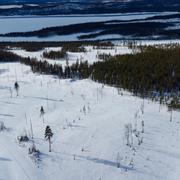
x,y
89,123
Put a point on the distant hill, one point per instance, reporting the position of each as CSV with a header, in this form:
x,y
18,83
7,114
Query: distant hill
x,y
90,1
53,7
147,2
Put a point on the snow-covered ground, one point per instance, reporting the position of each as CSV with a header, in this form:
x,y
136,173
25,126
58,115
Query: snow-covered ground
x,y
88,121
90,55
10,6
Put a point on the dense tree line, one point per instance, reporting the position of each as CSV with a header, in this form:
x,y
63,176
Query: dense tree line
x,y
78,70
155,73
54,54
9,56
154,69
135,28
73,46
63,52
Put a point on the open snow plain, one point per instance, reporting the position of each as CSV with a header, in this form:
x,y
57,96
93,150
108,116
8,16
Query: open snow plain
x,y
88,121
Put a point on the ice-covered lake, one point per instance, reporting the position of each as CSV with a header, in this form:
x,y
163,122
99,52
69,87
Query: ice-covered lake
x,y
31,23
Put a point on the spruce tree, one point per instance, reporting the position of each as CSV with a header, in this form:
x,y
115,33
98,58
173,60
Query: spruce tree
x,y
48,135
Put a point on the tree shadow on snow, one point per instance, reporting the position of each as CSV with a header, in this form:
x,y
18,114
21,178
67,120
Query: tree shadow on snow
x,y
44,98
105,162
6,102
5,159
7,115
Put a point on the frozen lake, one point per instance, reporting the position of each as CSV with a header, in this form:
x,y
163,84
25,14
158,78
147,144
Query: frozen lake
x,y
31,23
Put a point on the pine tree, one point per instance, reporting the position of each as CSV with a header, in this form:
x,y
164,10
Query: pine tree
x,y
48,135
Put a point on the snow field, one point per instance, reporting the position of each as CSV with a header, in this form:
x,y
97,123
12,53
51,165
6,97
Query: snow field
x,y
90,55
88,121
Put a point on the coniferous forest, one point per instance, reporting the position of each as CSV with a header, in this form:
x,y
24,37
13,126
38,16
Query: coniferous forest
x,y
153,71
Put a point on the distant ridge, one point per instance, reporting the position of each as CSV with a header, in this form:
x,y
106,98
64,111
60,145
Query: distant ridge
x,y
57,7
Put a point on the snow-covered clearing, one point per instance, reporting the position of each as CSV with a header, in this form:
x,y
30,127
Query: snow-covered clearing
x,y
88,121
90,55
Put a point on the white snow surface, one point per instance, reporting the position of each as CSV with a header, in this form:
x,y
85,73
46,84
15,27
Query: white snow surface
x,y
84,145
10,6
90,55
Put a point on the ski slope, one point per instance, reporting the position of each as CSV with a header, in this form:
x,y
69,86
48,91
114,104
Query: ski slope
x,y
88,121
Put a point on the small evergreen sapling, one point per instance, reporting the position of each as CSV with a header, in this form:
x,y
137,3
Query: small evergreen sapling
x,y
16,87
42,112
48,135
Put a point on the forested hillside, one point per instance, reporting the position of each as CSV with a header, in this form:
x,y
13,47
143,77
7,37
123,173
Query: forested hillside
x,y
150,72
154,69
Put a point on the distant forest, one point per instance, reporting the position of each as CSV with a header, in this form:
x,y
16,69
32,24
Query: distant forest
x,y
73,46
